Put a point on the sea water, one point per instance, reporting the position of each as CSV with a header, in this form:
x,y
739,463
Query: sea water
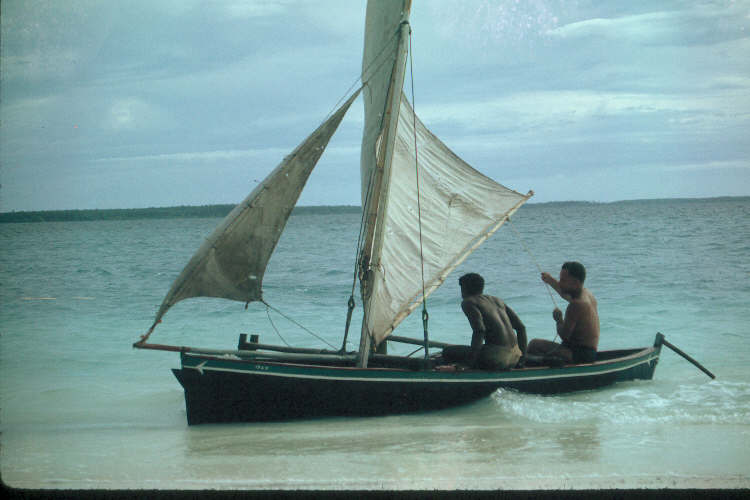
x,y
80,408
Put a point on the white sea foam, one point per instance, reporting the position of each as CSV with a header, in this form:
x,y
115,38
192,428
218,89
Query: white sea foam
x,y
716,402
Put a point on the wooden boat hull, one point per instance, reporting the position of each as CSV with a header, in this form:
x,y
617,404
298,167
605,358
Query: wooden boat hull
x,y
227,389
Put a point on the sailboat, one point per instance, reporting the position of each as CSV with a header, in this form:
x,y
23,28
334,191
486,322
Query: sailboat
x,y
425,211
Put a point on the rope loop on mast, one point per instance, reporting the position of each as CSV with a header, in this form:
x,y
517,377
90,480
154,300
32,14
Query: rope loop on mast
x,y
425,320
351,305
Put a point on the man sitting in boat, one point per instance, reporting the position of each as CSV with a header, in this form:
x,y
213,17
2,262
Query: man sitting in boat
x,y
494,346
579,330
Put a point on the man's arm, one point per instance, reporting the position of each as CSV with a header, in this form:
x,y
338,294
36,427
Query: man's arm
x,y
518,326
565,327
474,315
547,278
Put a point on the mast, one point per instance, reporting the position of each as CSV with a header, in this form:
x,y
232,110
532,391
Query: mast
x,y
377,200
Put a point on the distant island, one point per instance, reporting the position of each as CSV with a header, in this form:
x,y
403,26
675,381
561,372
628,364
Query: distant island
x,y
204,211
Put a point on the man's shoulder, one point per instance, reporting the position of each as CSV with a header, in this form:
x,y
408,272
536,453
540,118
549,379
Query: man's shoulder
x,y
584,302
497,300
469,302
477,300
588,297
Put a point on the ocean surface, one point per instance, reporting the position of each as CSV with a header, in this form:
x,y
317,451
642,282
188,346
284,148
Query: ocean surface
x,y
80,408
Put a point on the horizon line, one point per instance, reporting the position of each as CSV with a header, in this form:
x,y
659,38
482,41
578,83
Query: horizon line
x,y
681,198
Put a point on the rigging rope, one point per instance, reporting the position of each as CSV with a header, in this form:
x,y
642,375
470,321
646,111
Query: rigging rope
x,y
352,304
365,71
425,315
269,306
372,65
274,326
415,350
375,64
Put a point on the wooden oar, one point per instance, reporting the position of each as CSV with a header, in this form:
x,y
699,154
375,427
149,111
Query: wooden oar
x,y
686,356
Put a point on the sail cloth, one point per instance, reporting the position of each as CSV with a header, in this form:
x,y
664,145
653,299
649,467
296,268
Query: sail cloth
x,y
460,208
231,262
382,23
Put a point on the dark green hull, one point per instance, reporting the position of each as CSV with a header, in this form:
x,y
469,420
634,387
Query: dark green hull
x,y
222,389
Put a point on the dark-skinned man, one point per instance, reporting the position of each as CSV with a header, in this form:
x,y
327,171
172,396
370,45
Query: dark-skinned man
x,y
579,328
494,345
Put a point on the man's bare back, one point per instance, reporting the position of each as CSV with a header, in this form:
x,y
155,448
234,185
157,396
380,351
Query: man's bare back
x,y
491,316
494,345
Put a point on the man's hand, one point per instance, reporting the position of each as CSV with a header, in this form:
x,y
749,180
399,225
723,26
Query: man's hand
x,y
547,278
557,315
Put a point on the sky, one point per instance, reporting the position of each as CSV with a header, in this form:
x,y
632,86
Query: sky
x,y
185,102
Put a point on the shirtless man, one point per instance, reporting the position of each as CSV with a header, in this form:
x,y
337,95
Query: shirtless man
x,y
494,346
579,330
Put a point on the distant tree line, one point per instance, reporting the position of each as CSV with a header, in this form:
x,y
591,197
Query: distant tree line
x,y
152,213
223,210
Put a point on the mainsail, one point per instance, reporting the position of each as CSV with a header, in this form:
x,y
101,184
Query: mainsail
x,y
461,207
231,262
383,68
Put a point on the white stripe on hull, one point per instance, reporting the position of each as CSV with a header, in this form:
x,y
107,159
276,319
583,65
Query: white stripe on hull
x,y
262,370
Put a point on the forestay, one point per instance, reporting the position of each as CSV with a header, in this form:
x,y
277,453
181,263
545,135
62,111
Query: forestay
x,y
460,209
231,262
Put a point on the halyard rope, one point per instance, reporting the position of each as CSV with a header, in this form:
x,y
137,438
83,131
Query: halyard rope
x,y
425,315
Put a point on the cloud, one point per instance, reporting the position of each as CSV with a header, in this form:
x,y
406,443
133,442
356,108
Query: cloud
x,y
133,113
200,156
700,24
484,23
245,9
543,110
743,164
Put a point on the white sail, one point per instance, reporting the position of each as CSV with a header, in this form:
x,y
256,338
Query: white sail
x,y
386,38
231,262
379,59
460,208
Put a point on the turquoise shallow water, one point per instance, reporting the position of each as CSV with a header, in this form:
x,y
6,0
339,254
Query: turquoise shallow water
x,y
81,408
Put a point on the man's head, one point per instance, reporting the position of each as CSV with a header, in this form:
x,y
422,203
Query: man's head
x,y
572,276
471,284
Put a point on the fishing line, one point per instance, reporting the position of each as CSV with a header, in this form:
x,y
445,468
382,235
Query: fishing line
x,y
523,244
546,285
